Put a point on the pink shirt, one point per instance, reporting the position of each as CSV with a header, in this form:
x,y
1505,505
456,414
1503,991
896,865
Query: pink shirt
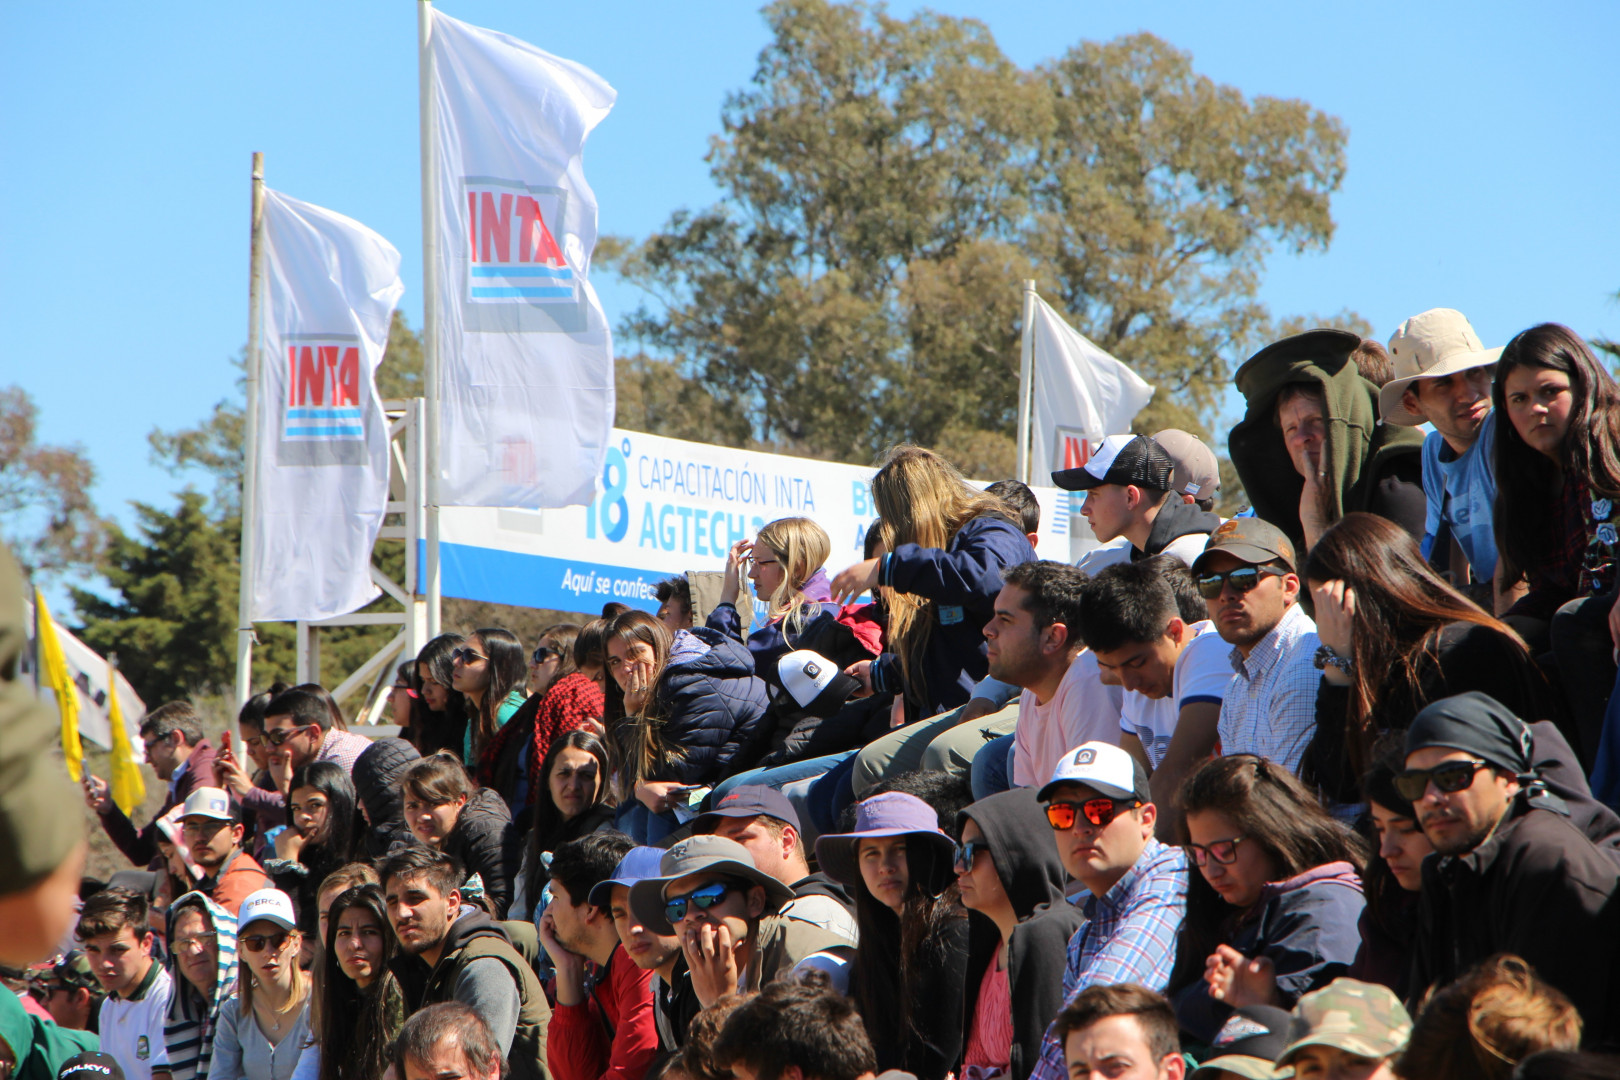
x,y
1082,710
989,1045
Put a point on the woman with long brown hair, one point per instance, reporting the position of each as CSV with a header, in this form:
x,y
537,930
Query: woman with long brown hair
x,y
680,710
560,700
949,544
1558,511
1395,637
1272,911
490,670
448,812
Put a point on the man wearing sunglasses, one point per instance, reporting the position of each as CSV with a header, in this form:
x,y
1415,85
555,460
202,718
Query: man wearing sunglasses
x,y
173,741
1102,815
298,730
724,909
1251,590
213,835
70,992
1511,873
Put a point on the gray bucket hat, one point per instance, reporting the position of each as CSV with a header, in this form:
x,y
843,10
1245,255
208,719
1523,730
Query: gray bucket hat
x,y
699,855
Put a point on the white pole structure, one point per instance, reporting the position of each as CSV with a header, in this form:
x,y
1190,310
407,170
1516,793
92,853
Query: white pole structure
x,y
1026,380
250,435
430,313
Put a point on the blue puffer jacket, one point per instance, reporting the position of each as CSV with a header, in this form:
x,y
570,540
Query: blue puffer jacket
x,y
963,581
711,702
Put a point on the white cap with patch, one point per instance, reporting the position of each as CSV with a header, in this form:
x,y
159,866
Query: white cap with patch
x,y
1104,768
271,905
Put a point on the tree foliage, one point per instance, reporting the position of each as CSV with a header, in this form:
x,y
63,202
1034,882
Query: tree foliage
x,y
47,516
888,184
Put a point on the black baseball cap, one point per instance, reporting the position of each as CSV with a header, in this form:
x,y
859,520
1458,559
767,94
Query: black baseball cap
x,y
1122,459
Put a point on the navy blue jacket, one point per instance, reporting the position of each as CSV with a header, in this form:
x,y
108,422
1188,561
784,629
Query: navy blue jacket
x,y
770,642
963,581
710,705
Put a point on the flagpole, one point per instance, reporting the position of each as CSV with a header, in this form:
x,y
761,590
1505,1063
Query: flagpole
x,y
1026,377
250,436
430,312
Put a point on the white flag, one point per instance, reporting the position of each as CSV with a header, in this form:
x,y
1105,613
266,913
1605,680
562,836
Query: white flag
x,y
1081,395
322,470
525,356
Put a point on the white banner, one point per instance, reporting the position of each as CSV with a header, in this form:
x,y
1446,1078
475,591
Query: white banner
x,y
526,359
89,670
666,506
1081,394
331,286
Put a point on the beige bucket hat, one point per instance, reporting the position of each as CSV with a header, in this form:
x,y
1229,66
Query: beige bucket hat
x,y
1438,342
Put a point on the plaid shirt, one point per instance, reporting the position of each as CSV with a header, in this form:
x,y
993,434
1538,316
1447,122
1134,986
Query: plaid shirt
x,y
1270,704
343,748
1129,937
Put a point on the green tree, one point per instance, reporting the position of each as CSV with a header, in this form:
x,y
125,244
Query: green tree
x,y
47,517
889,182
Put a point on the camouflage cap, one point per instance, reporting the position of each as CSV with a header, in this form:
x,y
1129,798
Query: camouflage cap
x,y
1359,1018
74,969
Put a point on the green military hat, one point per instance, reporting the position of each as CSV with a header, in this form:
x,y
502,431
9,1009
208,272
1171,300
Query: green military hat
x,y
1359,1018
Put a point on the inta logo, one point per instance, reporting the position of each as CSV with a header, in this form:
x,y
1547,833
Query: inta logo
x,y
512,246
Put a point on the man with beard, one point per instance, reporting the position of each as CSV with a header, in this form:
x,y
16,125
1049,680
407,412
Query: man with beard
x,y
451,952
214,836
1247,579
1511,873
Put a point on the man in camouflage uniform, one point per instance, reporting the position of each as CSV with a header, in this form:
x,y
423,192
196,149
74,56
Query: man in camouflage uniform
x,y
1344,1029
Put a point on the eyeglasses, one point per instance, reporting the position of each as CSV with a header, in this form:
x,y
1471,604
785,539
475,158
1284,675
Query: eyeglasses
x,y
703,898
1223,852
194,943
256,942
202,826
278,736
1449,777
544,653
1100,812
1242,580
967,853
465,655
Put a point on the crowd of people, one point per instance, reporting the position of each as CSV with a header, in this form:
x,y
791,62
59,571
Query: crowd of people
x,y
1323,789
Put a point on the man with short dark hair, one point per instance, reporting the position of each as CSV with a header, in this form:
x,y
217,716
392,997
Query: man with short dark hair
x,y
789,1031
761,819
180,754
674,597
213,835
1102,815
70,992
118,943
609,1031
1122,1032
674,1000
1511,873
448,1041
453,952
1174,671
298,730
1018,496
1248,580
1127,484
723,908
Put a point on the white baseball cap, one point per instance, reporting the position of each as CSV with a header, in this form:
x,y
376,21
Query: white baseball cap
x,y
271,905
209,802
1104,768
816,684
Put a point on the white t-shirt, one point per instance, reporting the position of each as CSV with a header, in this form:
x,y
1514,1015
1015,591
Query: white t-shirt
x,y
132,1030
1082,710
1203,671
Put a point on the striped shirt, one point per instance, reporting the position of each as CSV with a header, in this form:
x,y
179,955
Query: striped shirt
x,y
1270,705
1130,937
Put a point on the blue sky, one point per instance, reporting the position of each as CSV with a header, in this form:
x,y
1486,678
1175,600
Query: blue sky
x,y
1483,159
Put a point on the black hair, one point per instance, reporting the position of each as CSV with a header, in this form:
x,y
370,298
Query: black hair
x,y
948,793
443,872
426,1029
339,843
1130,603
508,671
583,864
361,1015
547,818
303,707
676,588
789,1023
1016,494
1054,592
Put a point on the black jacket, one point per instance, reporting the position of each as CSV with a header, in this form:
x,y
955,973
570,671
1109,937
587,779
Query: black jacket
x,y
376,783
482,841
788,733
1020,841
1539,889
1174,520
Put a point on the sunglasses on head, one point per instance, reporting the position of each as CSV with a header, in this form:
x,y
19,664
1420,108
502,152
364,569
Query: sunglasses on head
x,y
967,853
702,898
465,655
1449,777
1242,580
278,736
256,942
1223,852
1100,812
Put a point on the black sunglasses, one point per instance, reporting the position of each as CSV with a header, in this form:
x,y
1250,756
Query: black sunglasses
x,y
967,853
702,898
278,736
1242,580
544,653
256,942
1450,777
465,655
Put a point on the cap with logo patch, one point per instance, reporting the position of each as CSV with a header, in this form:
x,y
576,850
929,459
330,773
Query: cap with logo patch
x,y
209,802
1105,769
816,684
1121,459
1247,1044
1198,471
1248,540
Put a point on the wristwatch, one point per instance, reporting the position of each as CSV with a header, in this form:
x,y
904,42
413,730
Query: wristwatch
x,y
1325,656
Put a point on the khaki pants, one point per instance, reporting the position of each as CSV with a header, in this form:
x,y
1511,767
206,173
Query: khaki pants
x,y
941,743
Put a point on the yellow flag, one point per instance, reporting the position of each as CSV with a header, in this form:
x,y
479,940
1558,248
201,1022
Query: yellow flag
x,y
53,672
128,787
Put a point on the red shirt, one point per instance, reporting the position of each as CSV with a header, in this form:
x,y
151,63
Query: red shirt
x,y
613,1035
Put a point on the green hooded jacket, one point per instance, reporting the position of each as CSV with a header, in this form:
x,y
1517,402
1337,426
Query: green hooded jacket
x,y
1370,466
39,1046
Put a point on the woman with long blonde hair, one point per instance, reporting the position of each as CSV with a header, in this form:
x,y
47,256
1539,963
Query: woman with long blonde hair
x,y
950,542
785,563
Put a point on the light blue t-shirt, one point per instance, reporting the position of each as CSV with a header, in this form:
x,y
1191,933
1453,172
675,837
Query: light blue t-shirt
x,y
1460,492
